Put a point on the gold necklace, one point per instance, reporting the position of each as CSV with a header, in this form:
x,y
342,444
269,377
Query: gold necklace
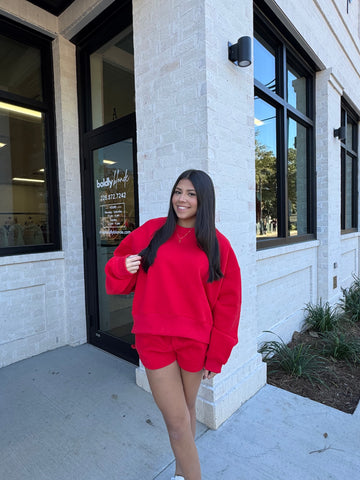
x,y
182,238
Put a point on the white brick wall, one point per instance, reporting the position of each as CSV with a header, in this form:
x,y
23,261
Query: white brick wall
x,y
349,259
329,34
70,188
329,175
286,280
231,163
170,102
186,90
30,15
32,299
79,14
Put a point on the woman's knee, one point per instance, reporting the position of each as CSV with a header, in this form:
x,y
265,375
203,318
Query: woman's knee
x,y
191,405
179,426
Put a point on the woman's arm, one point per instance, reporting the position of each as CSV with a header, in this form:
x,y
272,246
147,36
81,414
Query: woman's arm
x,y
121,270
226,316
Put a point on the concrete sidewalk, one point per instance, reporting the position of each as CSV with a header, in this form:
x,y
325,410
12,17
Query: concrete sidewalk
x,y
77,414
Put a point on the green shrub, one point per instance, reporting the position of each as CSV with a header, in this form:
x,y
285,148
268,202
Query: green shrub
x,y
341,347
321,317
356,283
350,301
297,361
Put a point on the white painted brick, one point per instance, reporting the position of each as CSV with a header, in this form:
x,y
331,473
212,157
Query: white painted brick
x,y
204,134
30,15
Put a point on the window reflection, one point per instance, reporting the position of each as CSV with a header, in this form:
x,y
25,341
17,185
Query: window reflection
x,y
285,182
349,170
112,80
297,179
266,167
348,192
349,135
296,90
264,63
20,71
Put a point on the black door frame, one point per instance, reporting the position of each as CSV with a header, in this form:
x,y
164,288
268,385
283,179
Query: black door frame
x,y
109,23
116,131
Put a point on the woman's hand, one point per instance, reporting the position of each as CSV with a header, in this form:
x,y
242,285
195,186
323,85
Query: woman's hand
x,y
132,263
208,375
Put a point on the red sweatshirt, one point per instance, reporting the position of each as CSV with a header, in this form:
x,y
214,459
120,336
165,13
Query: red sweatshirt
x,y
174,296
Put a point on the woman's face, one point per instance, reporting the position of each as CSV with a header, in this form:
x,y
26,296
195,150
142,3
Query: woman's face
x,y
184,202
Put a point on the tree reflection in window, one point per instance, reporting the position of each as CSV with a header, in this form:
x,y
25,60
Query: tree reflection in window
x,y
266,187
284,123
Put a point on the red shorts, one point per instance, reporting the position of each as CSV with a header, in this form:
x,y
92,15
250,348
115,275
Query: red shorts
x,y
158,351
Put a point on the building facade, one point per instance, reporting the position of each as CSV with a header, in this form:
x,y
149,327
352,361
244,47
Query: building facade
x,y
103,103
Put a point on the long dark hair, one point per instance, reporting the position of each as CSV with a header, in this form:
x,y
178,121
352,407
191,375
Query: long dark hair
x,y
204,224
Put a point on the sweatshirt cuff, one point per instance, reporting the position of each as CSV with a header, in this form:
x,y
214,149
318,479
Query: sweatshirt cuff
x,y
212,365
120,268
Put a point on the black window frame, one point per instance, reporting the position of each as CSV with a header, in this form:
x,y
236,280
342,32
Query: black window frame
x,y
23,34
348,112
269,28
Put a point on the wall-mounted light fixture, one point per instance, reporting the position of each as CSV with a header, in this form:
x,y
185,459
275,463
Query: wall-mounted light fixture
x,y
340,133
240,53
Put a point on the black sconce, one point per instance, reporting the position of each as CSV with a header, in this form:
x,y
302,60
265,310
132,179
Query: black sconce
x,y
240,53
340,133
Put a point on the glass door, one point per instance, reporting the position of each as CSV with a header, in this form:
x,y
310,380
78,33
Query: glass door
x,y
111,206
105,56
115,217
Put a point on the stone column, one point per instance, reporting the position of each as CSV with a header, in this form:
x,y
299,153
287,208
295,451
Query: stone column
x,y
194,108
70,188
231,163
328,166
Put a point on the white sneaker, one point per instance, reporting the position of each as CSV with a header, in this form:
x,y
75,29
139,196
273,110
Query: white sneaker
x,y
177,477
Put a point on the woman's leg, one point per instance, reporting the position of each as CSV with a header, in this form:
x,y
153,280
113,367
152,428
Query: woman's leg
x,y
174,392
191,383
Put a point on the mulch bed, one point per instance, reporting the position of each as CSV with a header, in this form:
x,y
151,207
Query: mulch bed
x,y
341,380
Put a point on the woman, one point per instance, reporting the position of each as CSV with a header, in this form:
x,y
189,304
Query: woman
x,y
186,305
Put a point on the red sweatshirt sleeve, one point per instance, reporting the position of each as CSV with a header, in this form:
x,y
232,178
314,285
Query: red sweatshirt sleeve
x,y
226,315
118,279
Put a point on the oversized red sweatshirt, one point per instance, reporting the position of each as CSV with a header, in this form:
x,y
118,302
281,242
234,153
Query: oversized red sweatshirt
x,y
174,296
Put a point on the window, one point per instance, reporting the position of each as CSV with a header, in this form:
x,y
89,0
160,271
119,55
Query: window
x,y
28,180
284,126
349,170
112,79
